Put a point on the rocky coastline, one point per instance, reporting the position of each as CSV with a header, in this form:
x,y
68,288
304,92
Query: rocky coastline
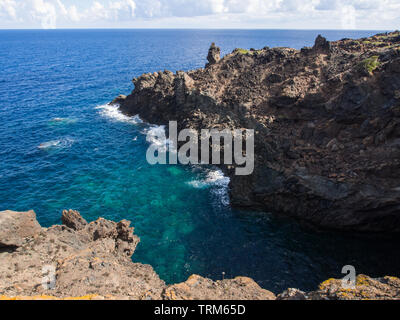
x,y
92,261
326,121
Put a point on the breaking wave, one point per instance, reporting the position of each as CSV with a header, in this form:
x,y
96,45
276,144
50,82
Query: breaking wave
x,y
156,135
217,182
112,111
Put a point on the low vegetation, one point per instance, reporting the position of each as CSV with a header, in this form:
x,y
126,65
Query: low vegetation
x,y
370,64
248,52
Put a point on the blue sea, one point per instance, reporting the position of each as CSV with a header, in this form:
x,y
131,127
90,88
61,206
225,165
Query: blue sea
x,y
62,147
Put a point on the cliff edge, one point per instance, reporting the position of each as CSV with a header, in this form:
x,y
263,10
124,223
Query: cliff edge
x,y
326,120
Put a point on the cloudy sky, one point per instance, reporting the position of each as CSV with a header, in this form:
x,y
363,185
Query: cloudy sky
x,y
285,14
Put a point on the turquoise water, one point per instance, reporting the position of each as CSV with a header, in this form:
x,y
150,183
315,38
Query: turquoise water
x,y
61,148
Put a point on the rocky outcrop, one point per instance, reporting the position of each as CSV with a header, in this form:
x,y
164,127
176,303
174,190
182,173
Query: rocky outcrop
x,y
199,288
73,220
214,55
326,120
86,258
16,227
322,45
92,261
366,288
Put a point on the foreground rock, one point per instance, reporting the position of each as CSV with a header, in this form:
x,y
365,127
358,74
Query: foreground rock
x,y
15,227
386,288
92,261
327,123
199,288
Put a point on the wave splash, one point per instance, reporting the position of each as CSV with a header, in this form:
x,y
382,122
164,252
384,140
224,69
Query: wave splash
x,y
217,182
213,178
111,111
156,135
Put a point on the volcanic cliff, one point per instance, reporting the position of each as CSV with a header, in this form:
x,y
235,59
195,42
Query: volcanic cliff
x,y
326,121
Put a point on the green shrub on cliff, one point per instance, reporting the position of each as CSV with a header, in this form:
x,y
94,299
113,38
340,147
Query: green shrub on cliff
x,y
243,51
370,64
248,52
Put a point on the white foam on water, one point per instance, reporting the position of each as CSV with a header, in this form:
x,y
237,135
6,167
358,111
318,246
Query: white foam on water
x,y
156,135
111,111
213,178
56,144
63,120
49,144
217,181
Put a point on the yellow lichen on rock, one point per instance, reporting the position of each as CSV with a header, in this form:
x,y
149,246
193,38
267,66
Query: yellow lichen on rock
x,y
326,283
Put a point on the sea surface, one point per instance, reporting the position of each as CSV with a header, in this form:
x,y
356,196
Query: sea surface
x,y
62,147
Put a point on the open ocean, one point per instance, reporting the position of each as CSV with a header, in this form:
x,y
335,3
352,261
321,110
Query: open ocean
x,y
61,147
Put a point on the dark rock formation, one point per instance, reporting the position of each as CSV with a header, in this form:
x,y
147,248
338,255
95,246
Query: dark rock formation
x,y
322,45
327,124
93,261
214,55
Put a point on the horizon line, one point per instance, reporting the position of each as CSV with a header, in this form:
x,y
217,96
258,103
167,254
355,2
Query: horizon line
x,y
179,28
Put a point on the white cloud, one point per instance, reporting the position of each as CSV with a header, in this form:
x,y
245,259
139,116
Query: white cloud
x,y
70,13
348,17
370,14
8,9
122,10
45,12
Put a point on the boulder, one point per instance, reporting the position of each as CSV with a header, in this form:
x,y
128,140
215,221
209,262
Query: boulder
x,y
15,227
73,220
293,295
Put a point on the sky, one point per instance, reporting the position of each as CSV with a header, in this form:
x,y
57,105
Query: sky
x,y
242,14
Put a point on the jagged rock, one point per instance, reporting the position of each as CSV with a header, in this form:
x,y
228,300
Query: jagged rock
x,y
199,288
118,100
88,259
322,45
328,174
214,55
73,220
15,227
